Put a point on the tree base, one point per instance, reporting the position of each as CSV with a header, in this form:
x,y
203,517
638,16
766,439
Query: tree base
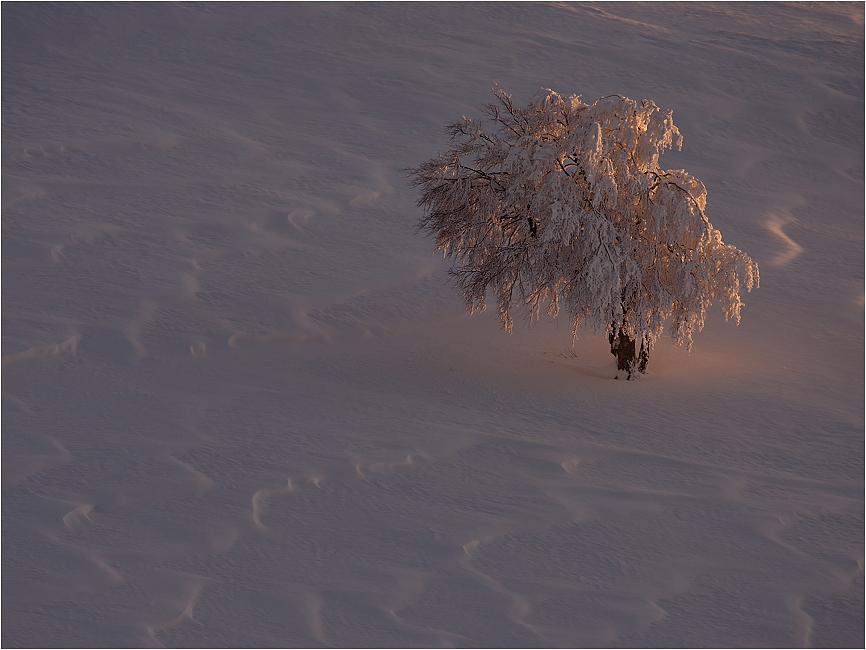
x,y
630,361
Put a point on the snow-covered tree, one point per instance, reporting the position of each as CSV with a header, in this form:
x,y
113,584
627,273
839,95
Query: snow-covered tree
x,y
562,204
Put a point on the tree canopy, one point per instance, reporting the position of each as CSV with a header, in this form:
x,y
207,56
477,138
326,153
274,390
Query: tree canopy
x,y
562,205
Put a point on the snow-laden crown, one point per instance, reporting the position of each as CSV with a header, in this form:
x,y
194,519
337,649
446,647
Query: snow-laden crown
x,y
563,202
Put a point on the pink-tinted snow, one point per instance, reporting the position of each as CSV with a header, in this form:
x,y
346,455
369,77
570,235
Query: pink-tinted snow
x,y
243,408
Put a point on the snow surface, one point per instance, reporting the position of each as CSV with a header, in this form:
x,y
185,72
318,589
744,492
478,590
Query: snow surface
x,y
242,407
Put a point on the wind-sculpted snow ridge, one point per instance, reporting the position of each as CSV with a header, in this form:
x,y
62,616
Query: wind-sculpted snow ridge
x,y
40,352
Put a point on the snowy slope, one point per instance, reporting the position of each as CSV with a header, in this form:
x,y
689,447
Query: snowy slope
x,y
242,407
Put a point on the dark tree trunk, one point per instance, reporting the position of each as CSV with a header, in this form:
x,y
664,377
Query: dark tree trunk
x,y
629,359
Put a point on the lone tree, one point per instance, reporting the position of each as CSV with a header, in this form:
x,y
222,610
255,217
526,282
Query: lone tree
x,y
563,203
